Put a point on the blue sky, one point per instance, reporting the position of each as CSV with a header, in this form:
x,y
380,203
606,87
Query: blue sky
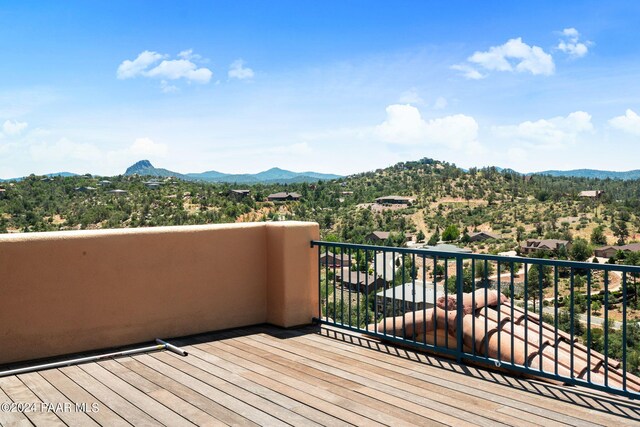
x,y
342,87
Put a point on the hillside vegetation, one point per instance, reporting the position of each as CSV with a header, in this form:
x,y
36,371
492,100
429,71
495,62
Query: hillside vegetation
x,y
480,199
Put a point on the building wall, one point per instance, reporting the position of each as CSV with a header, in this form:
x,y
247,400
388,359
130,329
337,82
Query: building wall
x,y
605,253
66,292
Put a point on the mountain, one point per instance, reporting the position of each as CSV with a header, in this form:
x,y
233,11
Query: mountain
x,y
274,174
282,176
62,174
271,176
144,168
593,173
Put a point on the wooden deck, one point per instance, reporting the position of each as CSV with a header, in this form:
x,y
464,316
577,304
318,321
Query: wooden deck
x,y
268,376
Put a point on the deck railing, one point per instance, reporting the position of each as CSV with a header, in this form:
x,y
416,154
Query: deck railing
x,y
563,320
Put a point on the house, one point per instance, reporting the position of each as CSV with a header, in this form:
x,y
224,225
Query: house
x,y
592,194
283,197
104,183
118,192
382,236
331,260
605,251
3,193
152,184
346,193
609,251
532,245
481,236
239,194
360,281
84,189
395,200
378,236
408,297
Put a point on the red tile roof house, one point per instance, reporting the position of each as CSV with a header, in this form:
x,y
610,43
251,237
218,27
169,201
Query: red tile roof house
x,y
609,251
283,197
532,245
437,325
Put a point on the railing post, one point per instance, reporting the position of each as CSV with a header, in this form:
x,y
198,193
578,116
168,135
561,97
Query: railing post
x,y
459,306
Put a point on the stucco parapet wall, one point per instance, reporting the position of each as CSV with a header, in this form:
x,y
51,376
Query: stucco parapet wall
x,y
72,291
103,233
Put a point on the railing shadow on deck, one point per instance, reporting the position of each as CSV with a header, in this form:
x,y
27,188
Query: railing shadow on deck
x,y
586,398
583,397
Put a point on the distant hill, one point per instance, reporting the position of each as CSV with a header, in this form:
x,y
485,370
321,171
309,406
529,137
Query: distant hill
x,y
593,173
145,168
48,175
271,176
282,176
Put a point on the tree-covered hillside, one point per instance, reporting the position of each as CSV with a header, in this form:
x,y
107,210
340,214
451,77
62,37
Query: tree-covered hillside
x,y
504,203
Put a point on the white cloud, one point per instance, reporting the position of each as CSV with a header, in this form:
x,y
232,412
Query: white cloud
x,y
141,148
13,127
168,69
629,123
167,88
571,32
468,72
189,55
551,133
63,150
517,155
526,58
146,147
411,96
237,70
569,43
180,68
129,69
405,126
513,56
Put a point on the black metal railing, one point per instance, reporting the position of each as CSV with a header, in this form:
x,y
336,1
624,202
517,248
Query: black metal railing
x,y
563,320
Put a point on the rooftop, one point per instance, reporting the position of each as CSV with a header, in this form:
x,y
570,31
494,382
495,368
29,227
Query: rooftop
x,y
446,247
591,193
414,292
309,376
231,277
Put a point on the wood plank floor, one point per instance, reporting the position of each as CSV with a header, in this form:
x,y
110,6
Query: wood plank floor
x,y
311,376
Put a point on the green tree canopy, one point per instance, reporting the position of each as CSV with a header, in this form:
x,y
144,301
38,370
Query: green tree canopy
x,y
581,250
452,232
598,237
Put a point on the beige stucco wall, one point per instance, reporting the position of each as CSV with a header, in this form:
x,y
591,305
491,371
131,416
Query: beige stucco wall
x,y
67,292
